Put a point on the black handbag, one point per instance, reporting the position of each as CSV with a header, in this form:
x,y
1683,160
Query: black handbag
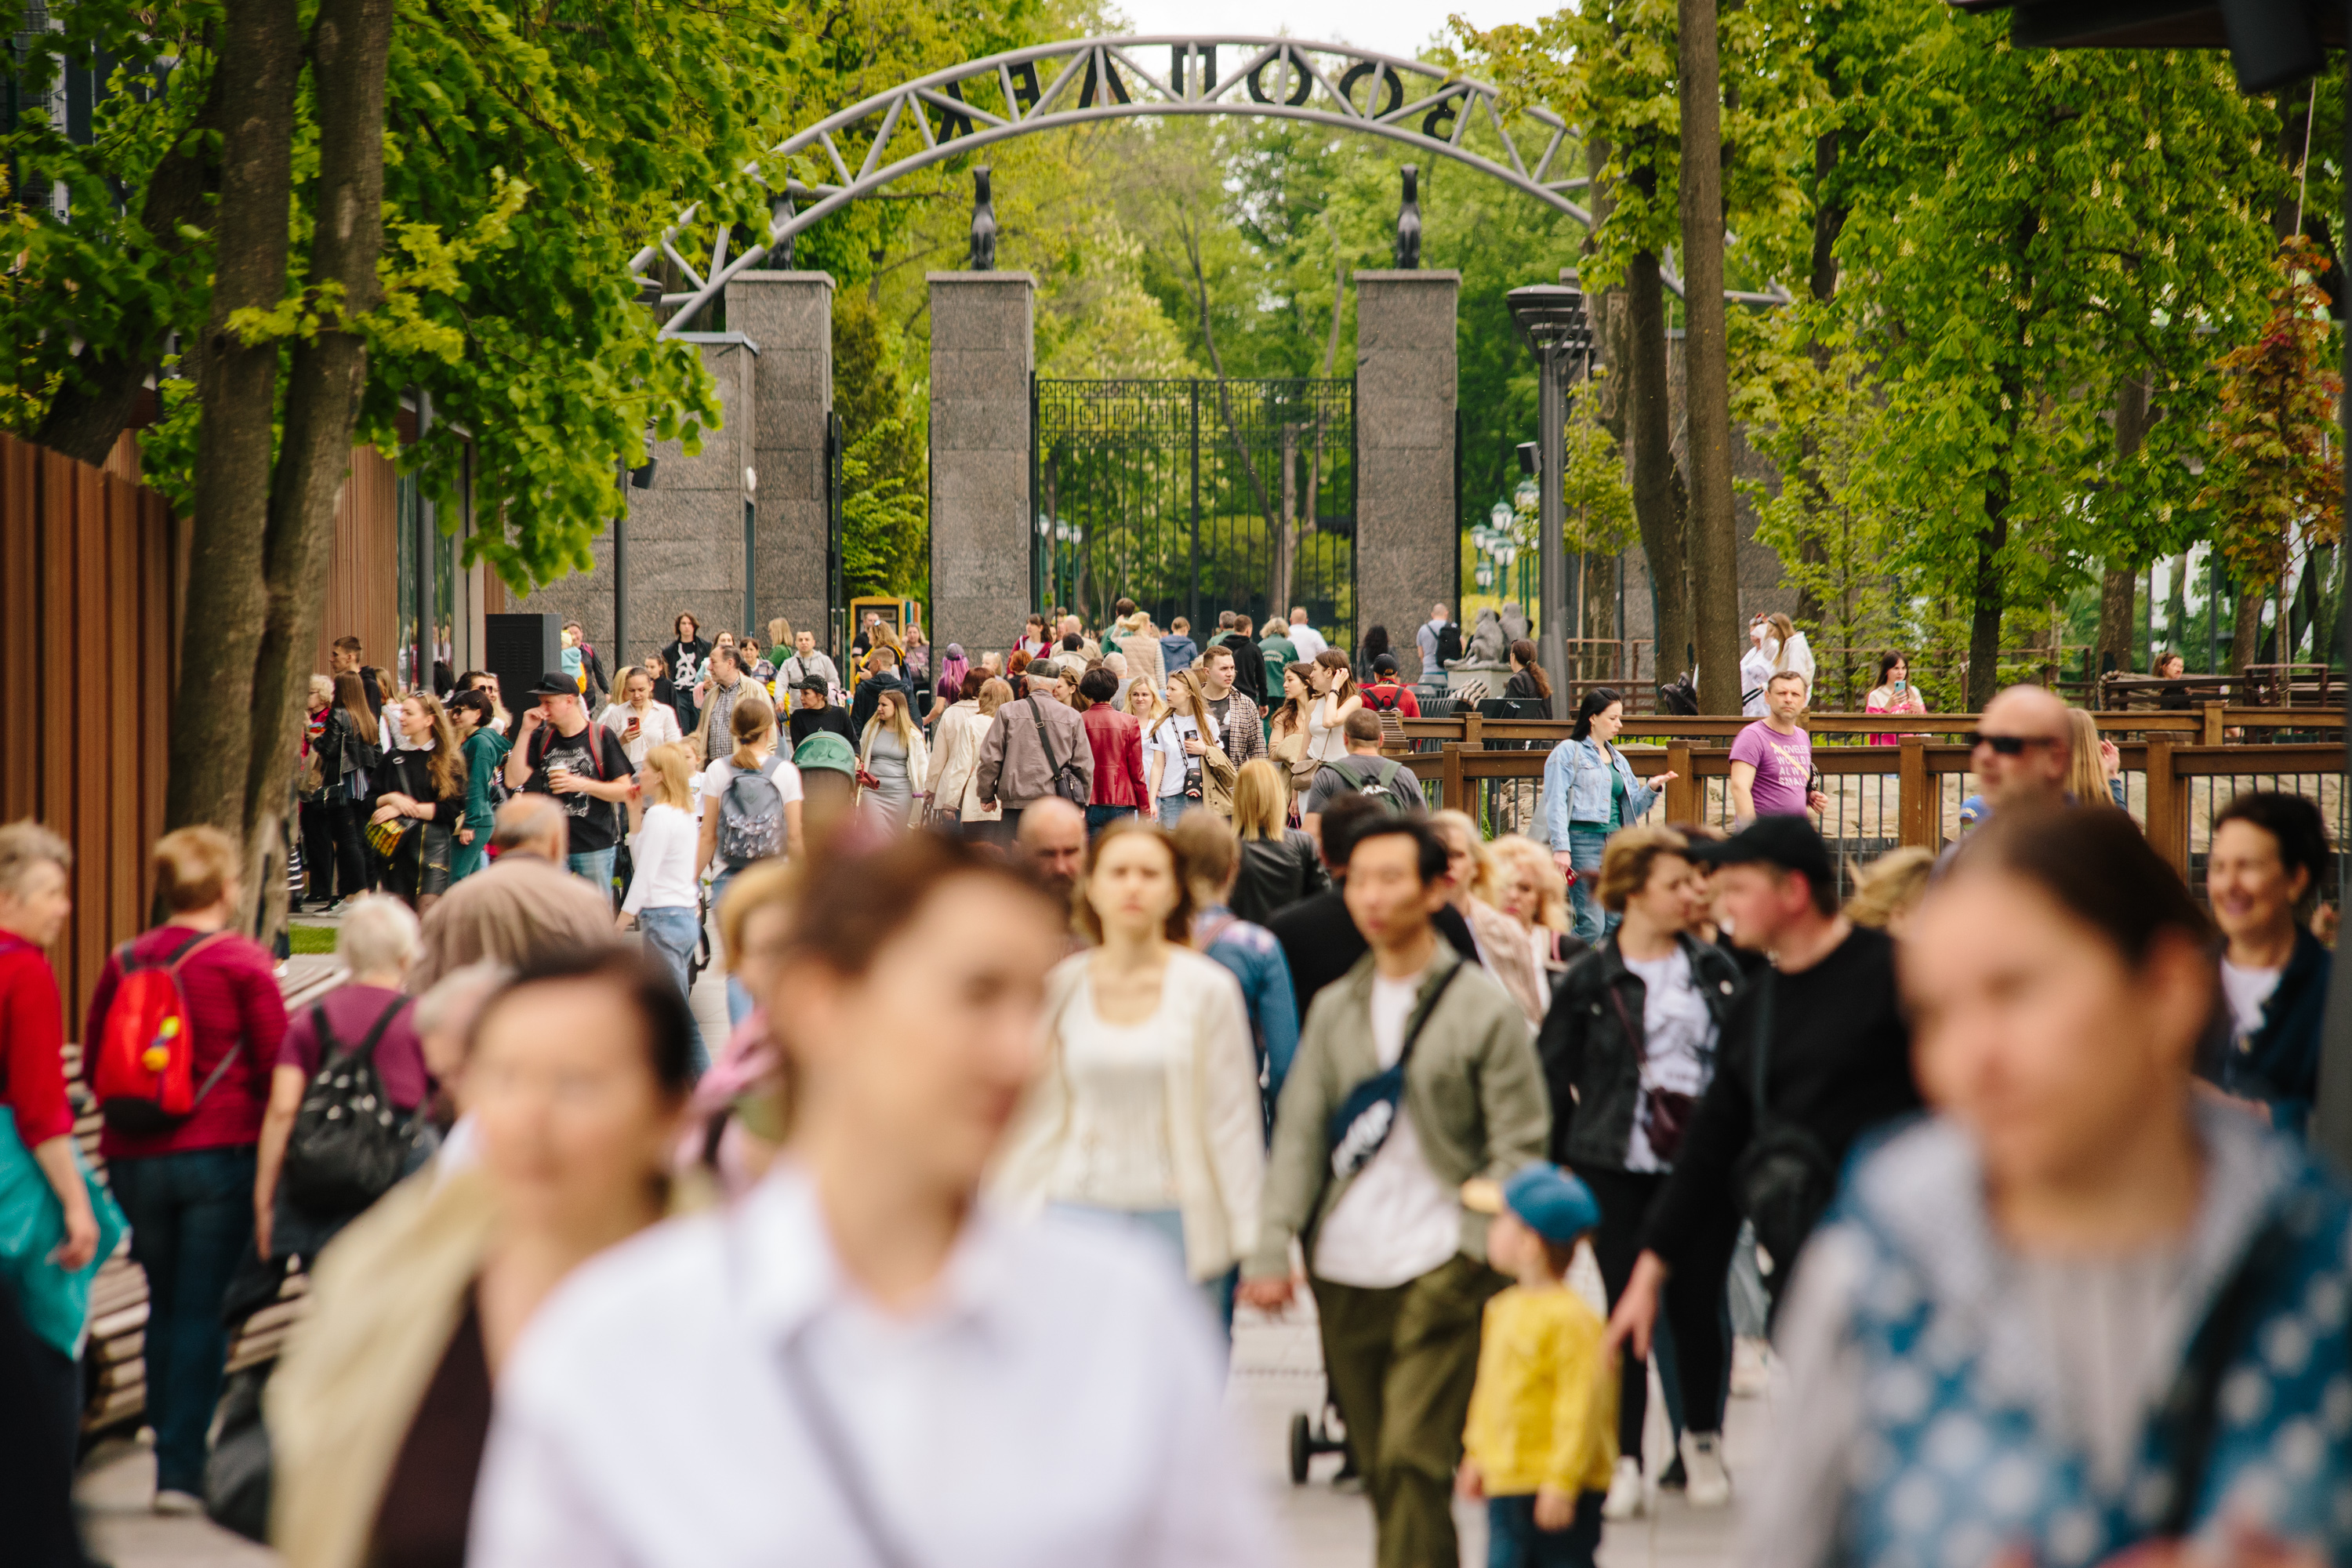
x,y
349,1144
1364,1119
1066,781
1784,1179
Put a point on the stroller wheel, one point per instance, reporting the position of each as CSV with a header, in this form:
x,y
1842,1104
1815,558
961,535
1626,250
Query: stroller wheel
x,y
1302,1448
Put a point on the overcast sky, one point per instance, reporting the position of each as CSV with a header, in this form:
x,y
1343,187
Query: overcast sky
x,y
1390,27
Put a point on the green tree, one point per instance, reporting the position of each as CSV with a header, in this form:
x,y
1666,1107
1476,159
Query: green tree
x,y
886,494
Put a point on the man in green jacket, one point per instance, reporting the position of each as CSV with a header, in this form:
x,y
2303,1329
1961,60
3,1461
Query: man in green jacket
x,y
1395,1258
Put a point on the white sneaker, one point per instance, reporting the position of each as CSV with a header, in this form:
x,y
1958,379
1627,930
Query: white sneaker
x,y
1627,1497
1709,1485
1751,1368
178,1502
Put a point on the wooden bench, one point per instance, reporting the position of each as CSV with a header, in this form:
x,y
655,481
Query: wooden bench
x,y
114,1372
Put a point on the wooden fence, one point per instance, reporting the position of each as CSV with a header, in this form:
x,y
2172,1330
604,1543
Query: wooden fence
x,y
2178,770
92,573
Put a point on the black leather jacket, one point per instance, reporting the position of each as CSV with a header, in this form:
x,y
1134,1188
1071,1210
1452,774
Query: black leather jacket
x,y
1275,873
1592,1069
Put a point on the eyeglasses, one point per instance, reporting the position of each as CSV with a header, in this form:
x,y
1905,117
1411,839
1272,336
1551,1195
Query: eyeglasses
x,y
2013,745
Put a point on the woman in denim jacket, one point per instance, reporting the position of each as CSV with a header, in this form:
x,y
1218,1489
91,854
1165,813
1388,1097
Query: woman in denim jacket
x,y
1588,793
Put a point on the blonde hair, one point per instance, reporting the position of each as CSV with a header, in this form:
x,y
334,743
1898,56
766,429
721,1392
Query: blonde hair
x,y
672,769
994,693
25,844
194,867
1627,862
378,936
1261,800
323,690
1891,885
445,768
1511,852
752,722
2086,780
1783,629
1482,859
903,723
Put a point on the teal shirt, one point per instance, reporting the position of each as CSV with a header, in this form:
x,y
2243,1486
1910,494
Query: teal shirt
x,y
1616,807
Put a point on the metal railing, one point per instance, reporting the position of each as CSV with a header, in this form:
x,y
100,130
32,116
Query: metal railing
x,y
2176,775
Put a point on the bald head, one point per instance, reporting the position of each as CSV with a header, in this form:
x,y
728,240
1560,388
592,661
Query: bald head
x,y
2023,749
533,824
1052,839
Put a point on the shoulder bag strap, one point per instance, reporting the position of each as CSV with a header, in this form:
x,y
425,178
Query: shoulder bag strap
x,y
849,1482
1412,1035
228,1055
1044,742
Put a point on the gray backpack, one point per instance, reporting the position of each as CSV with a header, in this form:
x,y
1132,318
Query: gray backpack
x,y
751,816
1380,785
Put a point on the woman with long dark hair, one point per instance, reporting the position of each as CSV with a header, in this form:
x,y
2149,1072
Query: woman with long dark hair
x,y
1374,644
1528,681
1892,693
349,753
1588,793
485,752
422,791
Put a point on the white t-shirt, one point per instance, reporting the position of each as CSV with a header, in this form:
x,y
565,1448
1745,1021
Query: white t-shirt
x,y
1114,1151
2248,991
711,783
1168,740
1306,640
1677,1030
662,850
1398,1221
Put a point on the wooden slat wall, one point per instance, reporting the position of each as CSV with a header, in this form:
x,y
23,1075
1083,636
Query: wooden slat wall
x,y
92,568
364,583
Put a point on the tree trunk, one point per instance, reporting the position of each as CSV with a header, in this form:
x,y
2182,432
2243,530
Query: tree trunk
x,y
1656,508
2246,629
2176,607
351,43
2119,584
1707,381
211,728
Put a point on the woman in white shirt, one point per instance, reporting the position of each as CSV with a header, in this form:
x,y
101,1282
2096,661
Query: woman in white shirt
x,y
754,725
662,891
1787,648
861,1363
640,721
1147,1108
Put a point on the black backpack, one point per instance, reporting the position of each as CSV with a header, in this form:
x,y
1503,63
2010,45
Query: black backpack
x,y
1449,642
349,1144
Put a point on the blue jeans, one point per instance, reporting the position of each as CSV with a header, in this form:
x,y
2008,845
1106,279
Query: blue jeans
x,y
1585,845
596,865
670,935
191,1225
739,1000
1514,1542
1172,808
1101,816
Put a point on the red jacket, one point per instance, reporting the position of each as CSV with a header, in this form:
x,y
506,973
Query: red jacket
x,y
32,1043
1391,694
233,1005
1117,741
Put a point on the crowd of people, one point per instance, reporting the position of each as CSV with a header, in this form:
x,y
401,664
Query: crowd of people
x,y
1083,997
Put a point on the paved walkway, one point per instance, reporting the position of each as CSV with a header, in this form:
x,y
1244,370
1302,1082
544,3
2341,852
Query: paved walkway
x,y
1277,1371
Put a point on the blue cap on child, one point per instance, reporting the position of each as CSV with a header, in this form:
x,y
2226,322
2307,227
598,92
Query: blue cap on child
x,y
1551,1202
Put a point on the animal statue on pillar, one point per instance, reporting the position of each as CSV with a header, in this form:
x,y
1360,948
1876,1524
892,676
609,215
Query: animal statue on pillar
x,y
780,211
1408,234
983,224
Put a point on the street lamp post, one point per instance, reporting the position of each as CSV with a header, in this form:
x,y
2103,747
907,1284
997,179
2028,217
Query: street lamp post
x,y
1550,319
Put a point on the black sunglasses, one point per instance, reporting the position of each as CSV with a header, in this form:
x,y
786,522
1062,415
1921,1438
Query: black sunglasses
x,y
2013,745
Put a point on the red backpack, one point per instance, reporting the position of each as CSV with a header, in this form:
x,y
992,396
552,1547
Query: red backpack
x,y
144,1070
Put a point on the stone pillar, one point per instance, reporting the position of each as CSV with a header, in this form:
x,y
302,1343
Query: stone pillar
x,y
789,316
685,533
981,357
1407,522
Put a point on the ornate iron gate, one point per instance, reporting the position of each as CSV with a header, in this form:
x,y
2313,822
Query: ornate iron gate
x,y
1191,501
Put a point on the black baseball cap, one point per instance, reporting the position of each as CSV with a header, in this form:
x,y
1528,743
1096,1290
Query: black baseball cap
x,y
1384,664
1789,842
555,683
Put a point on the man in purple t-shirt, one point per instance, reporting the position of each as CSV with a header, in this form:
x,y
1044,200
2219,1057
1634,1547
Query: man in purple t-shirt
x,y
1772,760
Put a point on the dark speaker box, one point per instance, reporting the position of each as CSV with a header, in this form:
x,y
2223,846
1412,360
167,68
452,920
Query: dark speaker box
x,y
519,650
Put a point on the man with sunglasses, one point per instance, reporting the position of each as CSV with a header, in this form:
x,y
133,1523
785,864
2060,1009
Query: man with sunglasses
x,y
2023,750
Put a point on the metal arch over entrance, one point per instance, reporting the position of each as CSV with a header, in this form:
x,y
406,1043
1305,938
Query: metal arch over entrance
x,y
968,107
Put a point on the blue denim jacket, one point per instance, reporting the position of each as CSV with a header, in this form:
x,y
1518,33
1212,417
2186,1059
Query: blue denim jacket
x,y
1255,959
1576,787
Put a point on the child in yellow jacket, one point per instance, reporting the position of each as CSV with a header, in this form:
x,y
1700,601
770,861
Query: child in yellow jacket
x,y
1541,1439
